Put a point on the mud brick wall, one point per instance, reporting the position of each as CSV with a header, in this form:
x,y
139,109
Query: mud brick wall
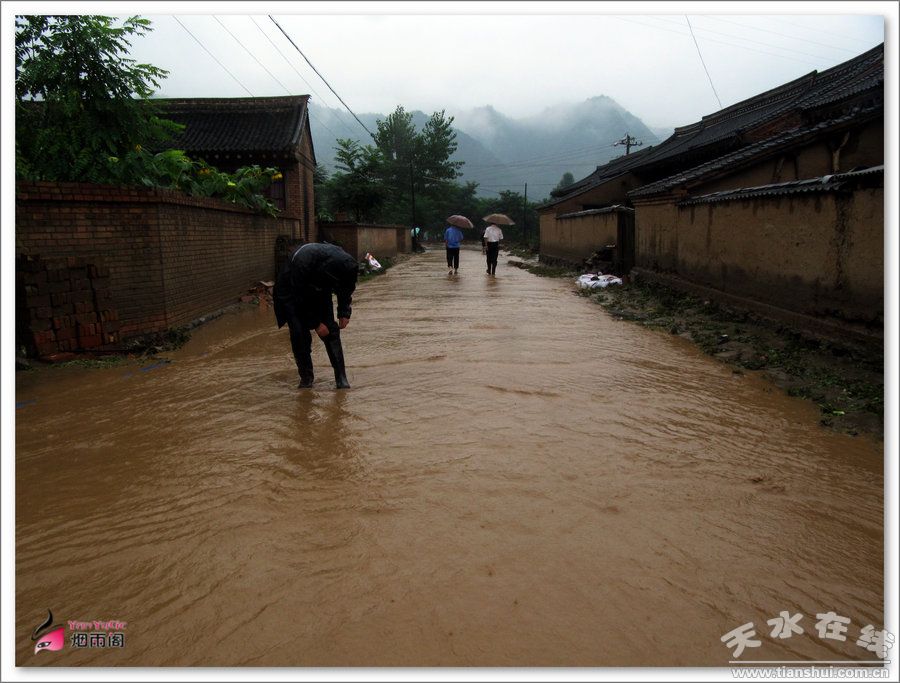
x,y
171,258
64,305
382,241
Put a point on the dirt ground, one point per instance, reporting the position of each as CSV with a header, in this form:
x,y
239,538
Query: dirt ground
x,y
844,380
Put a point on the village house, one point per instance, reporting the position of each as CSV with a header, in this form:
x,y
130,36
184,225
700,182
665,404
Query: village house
x,y
229,133
776,201
568,238
98,265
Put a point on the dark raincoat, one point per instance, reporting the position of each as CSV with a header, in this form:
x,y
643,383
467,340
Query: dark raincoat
x,y
309,278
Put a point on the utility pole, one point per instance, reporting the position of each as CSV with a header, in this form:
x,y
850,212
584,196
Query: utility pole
x,y
412,193
629,142
525,215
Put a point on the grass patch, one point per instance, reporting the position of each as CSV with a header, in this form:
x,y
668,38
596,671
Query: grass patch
x,y
542,270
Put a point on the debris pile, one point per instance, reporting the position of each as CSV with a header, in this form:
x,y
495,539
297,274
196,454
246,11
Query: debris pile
x,y
64,305
597,281
260,294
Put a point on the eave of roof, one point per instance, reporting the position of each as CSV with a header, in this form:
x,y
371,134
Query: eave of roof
x,y
862,73
829,183
617,208
754,152
231,127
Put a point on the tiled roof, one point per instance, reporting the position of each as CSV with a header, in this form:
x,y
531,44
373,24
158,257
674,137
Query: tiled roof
x,y
829,183
721,132
225,126
773,145
596,212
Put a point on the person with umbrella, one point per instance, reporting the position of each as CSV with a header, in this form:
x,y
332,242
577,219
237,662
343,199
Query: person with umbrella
x,y
453,237
490,241
302,299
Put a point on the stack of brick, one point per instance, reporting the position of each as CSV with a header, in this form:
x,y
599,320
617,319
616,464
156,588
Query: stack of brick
x,y
64,305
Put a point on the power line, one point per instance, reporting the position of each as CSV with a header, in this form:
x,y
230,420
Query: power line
x,y
308,85
720,42
702,62
257,61
783,35
283,86
213,56
750,40
819,30
321,76
560,157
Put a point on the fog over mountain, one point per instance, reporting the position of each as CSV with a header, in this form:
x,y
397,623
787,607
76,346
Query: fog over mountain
x,y
504,153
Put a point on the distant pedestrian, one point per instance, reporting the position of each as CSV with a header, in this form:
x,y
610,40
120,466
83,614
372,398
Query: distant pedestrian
x,y
490,242
302,298
416,234
453,237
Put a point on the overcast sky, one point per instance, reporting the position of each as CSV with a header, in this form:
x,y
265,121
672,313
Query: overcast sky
x,y
455,56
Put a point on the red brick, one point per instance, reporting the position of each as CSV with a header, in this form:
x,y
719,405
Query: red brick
x,y
43,337
37,301
90,341
47,348
66,333
59,298
60,286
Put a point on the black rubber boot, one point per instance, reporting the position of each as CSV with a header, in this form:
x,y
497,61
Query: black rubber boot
x,y
301,345
336,355
306,376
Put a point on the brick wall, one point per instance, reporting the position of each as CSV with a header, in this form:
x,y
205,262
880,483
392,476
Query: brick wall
x,y
171,258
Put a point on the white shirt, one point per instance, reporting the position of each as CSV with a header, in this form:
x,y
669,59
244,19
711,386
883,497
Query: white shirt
x,y
493,234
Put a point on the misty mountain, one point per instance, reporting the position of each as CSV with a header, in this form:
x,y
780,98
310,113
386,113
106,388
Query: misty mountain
x,y
504,153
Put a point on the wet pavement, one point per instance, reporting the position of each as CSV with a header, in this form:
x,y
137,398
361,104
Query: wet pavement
x,y
515,479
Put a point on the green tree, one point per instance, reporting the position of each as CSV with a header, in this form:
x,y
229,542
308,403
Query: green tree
x,y
356,186
79,99
416,166
566,180
321,194
397,142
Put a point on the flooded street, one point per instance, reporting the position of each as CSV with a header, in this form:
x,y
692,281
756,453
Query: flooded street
x,y
515,479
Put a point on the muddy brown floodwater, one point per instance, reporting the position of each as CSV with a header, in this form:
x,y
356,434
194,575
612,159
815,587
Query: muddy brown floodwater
x,y
515,479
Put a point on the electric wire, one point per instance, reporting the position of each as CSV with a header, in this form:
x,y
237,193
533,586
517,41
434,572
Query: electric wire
x,y
720,42
783,35
827,33
253,56
702,62
561,156
213,56
748,40
308,85
320,76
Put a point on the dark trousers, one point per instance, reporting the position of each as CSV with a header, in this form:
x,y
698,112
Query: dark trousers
x,y
453,258
493,250
301,338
